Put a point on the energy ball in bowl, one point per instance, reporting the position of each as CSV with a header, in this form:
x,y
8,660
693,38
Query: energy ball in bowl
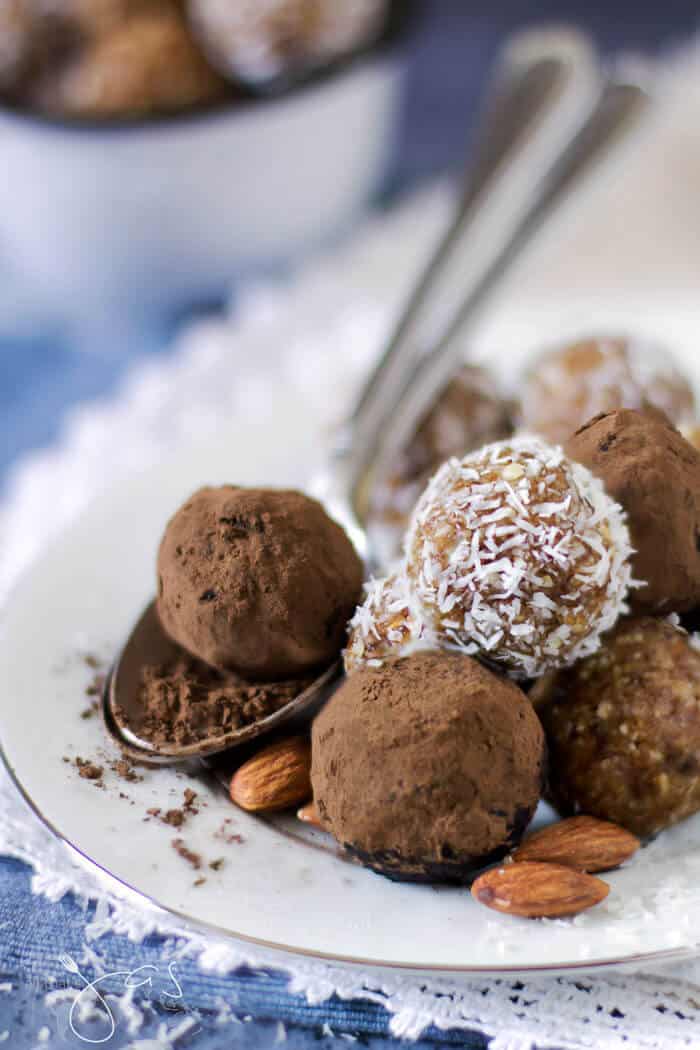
x,y
516,553
258,41
16,40
428,767
34,38
260,581
148,64
471,411
649,467
624,729
567,386
386,625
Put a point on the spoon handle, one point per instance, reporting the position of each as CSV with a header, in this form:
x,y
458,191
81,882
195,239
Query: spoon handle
x,y
545,86
620,106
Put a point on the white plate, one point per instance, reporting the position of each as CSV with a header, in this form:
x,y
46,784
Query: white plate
x,y
281,885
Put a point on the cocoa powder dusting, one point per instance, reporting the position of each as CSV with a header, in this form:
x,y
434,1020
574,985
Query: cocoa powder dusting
x,y
186,701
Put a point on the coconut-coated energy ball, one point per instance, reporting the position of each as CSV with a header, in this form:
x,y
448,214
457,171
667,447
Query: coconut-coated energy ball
x,y
567,386
623,728
471,411
428,767
261,581
385,625
517,553
264,40
649,467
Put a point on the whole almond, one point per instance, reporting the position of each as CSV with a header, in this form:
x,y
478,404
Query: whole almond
x,y
309,814
277,778
538,891
582,842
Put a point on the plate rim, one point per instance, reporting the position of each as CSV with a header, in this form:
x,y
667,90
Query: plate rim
x,y
665,955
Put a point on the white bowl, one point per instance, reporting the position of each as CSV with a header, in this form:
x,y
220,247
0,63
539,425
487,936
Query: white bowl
x,y
135,219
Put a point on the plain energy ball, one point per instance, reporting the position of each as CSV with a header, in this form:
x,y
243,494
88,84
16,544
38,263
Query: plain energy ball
x,y
623,728
516,553
259,581
148,64
565,387
428,767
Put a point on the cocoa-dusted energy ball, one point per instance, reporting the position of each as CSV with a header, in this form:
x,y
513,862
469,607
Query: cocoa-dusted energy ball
x,y
624,729
648,466
565,387
428,767
471,411
261,581
147,64
386,625
517,553
257,41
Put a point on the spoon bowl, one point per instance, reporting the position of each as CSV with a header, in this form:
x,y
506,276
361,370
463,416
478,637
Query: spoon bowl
x,y
123,711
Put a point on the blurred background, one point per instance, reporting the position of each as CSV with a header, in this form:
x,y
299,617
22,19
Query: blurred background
x,y
158,156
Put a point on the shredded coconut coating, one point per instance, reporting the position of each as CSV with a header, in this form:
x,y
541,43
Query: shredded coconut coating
x,y
262,39
517,554
387,624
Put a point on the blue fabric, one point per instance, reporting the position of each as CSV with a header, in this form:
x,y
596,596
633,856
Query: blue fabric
x,y
42,377
35,935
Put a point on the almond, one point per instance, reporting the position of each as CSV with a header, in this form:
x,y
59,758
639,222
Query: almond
x,y
583,842
277,778
309,815
538,891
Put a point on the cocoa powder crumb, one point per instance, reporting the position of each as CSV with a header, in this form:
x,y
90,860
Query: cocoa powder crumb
x,y
95,687
92,661
217,865
200,881
88,770
187,854
226,835
124,769
186,701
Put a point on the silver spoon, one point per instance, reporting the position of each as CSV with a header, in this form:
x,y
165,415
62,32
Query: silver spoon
x,y
549,116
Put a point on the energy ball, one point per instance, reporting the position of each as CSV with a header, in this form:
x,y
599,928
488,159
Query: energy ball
x,y
385,625
624,729
258,41
259,581
34,37
516,553
16,42
149,64
428,767
565,387
691,433
469,412
648,466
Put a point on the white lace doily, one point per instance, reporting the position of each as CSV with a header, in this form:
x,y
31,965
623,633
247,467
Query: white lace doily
x,y
315,334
